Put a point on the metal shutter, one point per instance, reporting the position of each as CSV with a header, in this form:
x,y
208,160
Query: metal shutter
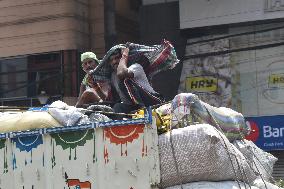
x,y
278,170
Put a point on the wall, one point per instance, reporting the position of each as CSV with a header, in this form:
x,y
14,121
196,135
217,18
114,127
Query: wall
x,y
210,77
210,13
35,26
255,69
261,83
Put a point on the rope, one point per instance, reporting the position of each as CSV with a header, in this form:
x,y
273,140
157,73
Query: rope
x,y
260,175
256,167
15,108
242,170
225,145
111,113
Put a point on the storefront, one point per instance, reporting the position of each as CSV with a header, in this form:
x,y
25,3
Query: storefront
x,y
242,72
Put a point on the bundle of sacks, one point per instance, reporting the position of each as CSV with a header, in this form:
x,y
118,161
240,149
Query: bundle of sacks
x,y
212,154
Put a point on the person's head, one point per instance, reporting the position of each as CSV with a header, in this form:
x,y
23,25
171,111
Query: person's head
x,y
114,59
89,61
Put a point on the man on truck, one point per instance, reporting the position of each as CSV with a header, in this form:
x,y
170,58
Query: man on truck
x,y
91,91
131,84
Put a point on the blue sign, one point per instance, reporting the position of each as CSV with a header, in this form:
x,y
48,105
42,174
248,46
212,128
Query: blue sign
x,y
267,132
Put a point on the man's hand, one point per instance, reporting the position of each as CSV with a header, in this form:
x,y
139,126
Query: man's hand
x,y
128,45
122,71
125,52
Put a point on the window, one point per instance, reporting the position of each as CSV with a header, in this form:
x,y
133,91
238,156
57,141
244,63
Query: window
x,y
26,76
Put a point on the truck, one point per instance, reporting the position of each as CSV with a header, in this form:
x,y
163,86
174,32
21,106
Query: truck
x,y
129,153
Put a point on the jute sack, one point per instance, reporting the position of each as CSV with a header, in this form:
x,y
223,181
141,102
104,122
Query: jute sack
x,y
202,153
260,161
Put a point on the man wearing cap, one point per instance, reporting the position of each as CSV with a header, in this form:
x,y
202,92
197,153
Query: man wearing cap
x,y
91,91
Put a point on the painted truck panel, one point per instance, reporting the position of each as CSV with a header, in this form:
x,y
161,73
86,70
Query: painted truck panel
x,y
117,154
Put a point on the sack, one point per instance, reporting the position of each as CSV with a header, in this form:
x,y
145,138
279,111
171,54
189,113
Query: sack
x,y
264,185
201,155
64,114
230,122
26,121
214,185
259,160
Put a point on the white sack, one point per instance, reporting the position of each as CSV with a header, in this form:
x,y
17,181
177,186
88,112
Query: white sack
x,y
64,114
264,185
214,185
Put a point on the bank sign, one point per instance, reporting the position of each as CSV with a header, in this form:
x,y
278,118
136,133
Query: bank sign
x,y
267,132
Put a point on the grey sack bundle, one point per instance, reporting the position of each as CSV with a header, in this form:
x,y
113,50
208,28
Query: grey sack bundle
x,y
200,153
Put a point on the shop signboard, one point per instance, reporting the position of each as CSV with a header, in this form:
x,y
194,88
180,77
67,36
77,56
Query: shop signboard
x,y
267,132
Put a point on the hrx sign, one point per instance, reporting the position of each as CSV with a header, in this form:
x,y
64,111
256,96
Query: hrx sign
x,y
201,84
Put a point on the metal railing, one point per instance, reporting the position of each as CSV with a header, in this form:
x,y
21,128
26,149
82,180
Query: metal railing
x,y
26,101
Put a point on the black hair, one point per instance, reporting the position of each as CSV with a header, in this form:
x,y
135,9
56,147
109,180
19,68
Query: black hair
x,y
115,52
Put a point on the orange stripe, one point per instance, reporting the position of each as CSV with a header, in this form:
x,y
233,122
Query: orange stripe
x,y
73,182
86,184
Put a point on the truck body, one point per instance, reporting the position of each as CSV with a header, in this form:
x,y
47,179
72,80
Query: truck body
x,y
115,154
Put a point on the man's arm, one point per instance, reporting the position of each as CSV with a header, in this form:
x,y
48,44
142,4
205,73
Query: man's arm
x,y
122,70
82,89
101,94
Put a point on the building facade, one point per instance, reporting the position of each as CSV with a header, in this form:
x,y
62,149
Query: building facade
x,y
41,42
234,58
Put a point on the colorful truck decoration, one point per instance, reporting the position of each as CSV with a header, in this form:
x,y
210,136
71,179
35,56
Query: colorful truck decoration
x,y
115,154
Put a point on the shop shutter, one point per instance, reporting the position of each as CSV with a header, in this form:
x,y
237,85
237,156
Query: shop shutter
x,y
278,170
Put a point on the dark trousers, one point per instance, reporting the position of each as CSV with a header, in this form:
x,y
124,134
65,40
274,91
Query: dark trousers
x,y
137,96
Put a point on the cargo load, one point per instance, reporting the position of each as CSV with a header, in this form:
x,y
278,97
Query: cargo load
x,y
184,143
